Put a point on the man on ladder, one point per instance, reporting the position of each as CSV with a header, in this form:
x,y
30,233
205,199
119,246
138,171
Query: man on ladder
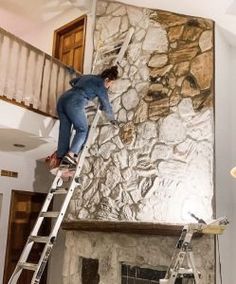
x,y
71,111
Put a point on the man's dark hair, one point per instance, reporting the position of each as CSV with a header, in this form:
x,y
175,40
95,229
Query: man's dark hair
x,y
110,73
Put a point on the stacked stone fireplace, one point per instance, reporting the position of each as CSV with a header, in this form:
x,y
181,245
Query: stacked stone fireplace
x,y
158,166
115,258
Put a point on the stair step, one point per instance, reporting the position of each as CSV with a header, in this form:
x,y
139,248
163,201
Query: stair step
x,y
39,239
28,266
50,214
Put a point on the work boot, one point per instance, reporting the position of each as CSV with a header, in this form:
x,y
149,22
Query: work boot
x,y
53,161
69,161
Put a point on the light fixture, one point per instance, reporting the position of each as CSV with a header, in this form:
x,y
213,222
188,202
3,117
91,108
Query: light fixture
x,y
233,172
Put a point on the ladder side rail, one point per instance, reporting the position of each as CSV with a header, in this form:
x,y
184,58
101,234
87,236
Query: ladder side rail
x,y
121,53
176,252
42,263
124,46
112,49
109,44
45,206
23,258
182,248
29,244
15,275
191,263
173,272
40,218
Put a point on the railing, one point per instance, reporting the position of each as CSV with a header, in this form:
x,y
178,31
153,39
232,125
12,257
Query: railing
x,y
29,76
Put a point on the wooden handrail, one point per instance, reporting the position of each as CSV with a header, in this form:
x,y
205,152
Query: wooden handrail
x,y
30,77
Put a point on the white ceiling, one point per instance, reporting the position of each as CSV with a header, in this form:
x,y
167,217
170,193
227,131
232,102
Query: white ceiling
x,y
33,146
232,8
40,10
36,132
210,8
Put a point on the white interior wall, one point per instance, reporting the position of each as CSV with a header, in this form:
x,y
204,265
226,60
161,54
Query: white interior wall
x,y
224,151
42,35
232,189
14,23
0,205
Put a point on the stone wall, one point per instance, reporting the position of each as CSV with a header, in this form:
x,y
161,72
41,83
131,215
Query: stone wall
x,y
111,250
159,165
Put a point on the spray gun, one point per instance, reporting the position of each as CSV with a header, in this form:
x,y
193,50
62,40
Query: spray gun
x,y
200,221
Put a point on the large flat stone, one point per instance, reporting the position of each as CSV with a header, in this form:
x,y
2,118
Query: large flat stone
x,y
155,39
202,69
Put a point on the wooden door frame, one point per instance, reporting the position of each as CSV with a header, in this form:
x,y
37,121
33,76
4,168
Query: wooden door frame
x,y
9,233
67,27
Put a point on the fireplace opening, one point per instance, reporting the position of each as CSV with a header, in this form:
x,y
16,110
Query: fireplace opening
x,y
90,271
140,275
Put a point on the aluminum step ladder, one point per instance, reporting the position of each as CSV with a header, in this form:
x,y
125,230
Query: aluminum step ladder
x,y
183,250
57,188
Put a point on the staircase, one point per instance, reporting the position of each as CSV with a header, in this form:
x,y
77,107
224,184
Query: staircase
x,y
30,77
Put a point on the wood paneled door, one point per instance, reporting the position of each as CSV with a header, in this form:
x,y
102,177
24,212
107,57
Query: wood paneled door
x,y
24,210
69,43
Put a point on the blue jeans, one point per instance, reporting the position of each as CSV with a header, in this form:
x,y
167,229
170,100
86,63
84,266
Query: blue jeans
x,y
71,111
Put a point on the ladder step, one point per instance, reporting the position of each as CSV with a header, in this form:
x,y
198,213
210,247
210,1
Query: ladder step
x,y
50,214
39,239
185,271
60,191
28,266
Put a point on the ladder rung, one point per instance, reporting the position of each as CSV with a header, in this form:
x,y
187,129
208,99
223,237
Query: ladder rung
x,y
60,191
112,49
113,43
39,239
28,266
111,46
185,271
50,214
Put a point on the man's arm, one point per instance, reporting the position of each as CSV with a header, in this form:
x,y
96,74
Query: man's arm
x,y
105,104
